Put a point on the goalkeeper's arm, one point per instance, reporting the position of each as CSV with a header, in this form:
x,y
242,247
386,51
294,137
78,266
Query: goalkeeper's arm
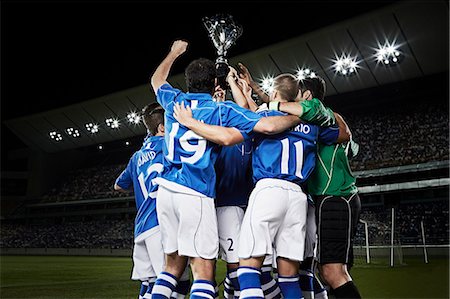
x,y
310,111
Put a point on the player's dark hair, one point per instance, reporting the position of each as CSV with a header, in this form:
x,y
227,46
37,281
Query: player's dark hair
x,y
153,116
200,76
315,85
287,86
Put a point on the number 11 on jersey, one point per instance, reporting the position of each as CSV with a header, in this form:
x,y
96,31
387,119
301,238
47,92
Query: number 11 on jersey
x,y
298,159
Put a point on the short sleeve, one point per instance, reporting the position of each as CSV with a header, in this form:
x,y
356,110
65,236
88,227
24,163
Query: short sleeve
x,y
231,115
166,94
328,135
125,180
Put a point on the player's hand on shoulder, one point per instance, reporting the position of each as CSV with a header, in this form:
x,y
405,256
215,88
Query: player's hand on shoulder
x,y
179,47
183,114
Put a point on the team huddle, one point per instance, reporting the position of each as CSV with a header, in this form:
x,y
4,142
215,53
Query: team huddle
x,y
267,188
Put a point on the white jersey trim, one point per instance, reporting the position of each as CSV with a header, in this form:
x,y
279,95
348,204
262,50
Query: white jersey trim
x,y
146,234
177,188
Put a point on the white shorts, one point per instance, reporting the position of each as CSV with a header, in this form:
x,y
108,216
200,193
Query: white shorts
x,y
148,255
275,216
229,220
311,232
188,224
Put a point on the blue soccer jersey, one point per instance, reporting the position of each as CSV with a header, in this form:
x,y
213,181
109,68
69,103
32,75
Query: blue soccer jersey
x,y
189,158
145,165
234,175
290,155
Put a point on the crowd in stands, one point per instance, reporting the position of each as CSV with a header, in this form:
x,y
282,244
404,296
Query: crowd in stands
x,y
115,234
408,217
395,138
88,183
118,234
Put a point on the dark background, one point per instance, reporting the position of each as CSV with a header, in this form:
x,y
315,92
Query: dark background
x,y
58,53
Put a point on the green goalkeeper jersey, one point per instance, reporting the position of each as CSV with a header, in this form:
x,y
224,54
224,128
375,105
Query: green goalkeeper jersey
x,y
332,174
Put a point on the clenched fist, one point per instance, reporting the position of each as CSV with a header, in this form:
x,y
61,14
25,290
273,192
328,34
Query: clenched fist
x,y
179,47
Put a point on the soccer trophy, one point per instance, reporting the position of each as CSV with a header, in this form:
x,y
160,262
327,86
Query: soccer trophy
x,y
223,32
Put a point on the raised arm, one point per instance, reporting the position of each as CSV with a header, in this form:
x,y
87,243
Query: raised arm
x,y
236,91
161,74
247,92
217,134
245,75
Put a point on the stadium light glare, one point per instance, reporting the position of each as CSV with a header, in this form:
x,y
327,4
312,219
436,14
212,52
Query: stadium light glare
x,y
127,143
305,73
91,127
267,84
115,124
133,117
109,122
100,147
346,65
389,54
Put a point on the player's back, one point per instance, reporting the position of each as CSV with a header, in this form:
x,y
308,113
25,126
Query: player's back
x,y
189,158
234,175
145,165
290,155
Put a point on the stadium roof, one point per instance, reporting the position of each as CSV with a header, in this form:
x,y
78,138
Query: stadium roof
x,y
419,29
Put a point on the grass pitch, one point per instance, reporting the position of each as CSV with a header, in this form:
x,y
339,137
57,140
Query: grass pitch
x,y
109,277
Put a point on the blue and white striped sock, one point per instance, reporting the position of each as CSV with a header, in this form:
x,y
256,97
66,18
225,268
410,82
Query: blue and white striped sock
x,y
233,276
306,283
203,289
249,281
181,290
143,289
148,293
290,287
228,289
269,286
165,284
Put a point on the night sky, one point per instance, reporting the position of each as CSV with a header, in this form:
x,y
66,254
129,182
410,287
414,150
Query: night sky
x,y
58,53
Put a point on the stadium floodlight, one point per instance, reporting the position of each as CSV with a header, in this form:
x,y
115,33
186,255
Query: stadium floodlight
x,y
55,136
127,143
109,122
267,84
305,73
346,65
70,131
100,147
115,124
133,117
389,54
112,123
91,127
76,133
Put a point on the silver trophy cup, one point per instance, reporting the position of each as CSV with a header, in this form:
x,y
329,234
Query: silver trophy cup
x,y
223,32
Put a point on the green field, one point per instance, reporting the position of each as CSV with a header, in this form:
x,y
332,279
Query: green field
x,y
108,277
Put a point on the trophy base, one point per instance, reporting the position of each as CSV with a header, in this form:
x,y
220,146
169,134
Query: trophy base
x,y
222,71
